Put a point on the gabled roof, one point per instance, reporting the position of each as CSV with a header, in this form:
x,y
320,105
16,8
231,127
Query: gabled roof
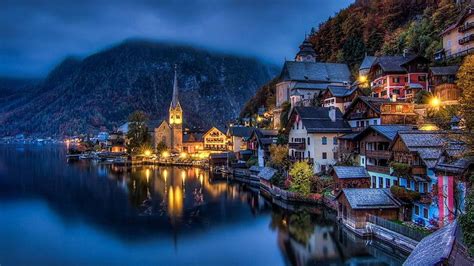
x,y
239,131
266,173
395,63
371,102
367,62
315,72
370,198
340,91
193,137
265,137
388,131
215,128
445,70
348,172
468,12
317,120
435,248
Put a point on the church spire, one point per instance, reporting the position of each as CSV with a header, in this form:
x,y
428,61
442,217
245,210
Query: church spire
x,y
175,100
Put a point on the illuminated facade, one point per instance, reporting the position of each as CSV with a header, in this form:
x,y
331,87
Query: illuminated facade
x,y
171,133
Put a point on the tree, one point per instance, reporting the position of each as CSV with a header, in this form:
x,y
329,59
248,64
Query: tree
x,y
301,174
423,97
467,222
279,156
137,131
286,107
161,147
465,81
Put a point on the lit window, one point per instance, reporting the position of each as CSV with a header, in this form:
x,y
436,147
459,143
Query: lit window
x,y
325,155
334,141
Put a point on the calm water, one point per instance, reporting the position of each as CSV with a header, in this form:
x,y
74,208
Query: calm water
x,y
54,213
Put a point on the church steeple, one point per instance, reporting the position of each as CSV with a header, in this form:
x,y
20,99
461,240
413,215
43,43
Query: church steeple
x,y
306,52
175,100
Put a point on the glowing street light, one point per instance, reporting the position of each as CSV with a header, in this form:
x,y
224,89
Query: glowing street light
x,y
147,152
165,154
435,102
362,79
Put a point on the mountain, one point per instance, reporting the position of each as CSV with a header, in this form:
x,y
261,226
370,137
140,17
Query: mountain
x,y
101,90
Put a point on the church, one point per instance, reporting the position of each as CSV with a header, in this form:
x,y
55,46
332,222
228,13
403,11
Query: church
x,y
171,132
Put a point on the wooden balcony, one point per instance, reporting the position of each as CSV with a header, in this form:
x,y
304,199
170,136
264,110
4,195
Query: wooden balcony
x,y
381,154
466,27
418,170
379,169
297,145
466,39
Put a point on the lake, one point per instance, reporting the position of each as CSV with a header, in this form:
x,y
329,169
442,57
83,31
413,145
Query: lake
x,y
85,213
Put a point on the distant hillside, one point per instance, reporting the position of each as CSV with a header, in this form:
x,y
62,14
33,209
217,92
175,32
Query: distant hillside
x,y
101,90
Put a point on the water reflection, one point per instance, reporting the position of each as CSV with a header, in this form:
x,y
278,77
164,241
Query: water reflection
x,y
140,207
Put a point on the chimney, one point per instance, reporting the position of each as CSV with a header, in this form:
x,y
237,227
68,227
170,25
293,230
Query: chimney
x,y
332,113
405,52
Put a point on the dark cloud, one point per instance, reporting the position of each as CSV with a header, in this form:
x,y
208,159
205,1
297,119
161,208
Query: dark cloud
x,y
35,35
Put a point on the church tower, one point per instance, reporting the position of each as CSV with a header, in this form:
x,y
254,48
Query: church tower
x,y
176,118
306,52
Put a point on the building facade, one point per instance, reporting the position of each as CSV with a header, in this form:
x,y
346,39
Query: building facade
x,y
458,38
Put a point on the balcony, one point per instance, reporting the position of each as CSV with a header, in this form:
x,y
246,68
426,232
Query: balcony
x,y
380,154
299,159
466,27
378,169
297,145
466,39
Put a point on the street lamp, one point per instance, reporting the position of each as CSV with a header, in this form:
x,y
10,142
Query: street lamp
x,y
435,102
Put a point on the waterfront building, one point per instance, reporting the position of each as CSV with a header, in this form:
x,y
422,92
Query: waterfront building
x,y
350,177
458,38
215,140
239,137
303,79
442,80
171,132
260,142
365,111
193,142
313,135
419,156
339,96
354,204
400,76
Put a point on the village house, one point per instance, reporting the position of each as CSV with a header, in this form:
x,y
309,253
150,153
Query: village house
x,y
215,140
193,142
442,80
400,76
350,177
354,204
365,111
313,135
303,79
416,155
239,137
260,142
365,66
374,153
458,38
339,96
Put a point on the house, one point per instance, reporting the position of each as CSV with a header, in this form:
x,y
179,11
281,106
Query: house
x,y
302,80
313,135
365,111
238,137
354,204
442,79
350,177
400,76
215,140
193,142
339,96
458,38
432,162
365,66
260,142
374,153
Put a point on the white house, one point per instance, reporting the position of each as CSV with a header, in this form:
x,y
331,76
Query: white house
x,y
313,133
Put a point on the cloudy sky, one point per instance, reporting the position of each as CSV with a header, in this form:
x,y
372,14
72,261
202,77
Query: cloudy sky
x,y
35,34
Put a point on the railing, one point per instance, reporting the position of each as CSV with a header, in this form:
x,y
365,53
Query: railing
x,y
466,39
297,145
378,154
466,27
295,159
378,169
404,230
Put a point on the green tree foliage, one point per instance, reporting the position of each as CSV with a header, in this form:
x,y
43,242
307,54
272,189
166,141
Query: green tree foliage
x,y
161,147
279,156
442,116
137,131
265,96
301,174
467,222
286,108
405,194
465,81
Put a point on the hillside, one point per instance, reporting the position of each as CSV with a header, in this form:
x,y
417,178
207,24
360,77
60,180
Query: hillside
x,y
375,27
101,90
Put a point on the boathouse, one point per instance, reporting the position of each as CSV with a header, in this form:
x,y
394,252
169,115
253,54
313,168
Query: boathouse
x,y
350,177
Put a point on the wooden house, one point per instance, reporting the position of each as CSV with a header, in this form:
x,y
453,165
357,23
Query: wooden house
x,y
350,177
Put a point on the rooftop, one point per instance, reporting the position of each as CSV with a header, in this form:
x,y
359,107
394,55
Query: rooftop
x,y
351,172
445,70
239,131
316,119
370,198
315,72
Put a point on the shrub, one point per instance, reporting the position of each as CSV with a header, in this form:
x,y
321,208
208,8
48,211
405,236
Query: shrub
x,y
252,161
300,181
405,194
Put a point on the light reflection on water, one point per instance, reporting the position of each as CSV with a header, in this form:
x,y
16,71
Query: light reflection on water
x,y
88,213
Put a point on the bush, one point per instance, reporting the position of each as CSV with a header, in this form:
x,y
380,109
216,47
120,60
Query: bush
x,y
252,161
400,169
405,194
467,223
301,174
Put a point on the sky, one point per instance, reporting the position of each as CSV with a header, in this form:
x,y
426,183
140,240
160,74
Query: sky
x,y
35,35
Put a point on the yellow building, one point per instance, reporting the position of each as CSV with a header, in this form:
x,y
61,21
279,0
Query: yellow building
x,y
458,39
171,132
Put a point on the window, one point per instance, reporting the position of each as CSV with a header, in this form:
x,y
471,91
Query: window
x,y
374,181
309,154
387,183
363,160
308,141
421,78
425,213
399,108
406,79
324,140
323,168
395,182
357,124
325,155
375,122
417,210
380,182
298,125
334,141
396,80
425,187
